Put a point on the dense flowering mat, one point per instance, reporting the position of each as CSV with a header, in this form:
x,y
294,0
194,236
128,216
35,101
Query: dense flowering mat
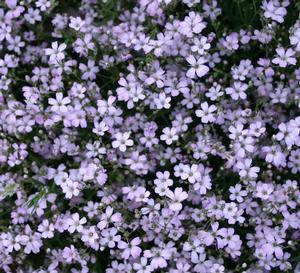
x,y
149,136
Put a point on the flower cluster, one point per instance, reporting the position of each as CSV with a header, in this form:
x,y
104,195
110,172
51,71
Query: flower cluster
x,y
149,136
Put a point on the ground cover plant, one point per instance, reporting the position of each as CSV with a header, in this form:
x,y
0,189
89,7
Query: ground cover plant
x,y
149,136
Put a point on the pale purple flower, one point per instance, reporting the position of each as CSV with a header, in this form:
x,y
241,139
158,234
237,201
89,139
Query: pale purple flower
x,y
206,113
177,197
169,135
197,67
130,249
122,141
75,223
56,52
246,170
59,103
284,57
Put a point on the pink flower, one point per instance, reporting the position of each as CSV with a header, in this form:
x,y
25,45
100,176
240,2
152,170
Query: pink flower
x,y
274,11
193,23
70,254
76,23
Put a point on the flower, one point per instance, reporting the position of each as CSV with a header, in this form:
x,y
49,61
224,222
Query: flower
x,y
274,11
89,236
177,197
169,135
284,58
197,67
237,91
264,190
46,229
246,170
122,141
130,134
75,223
130,249
59,103
76,23
206,112
162,101
56,52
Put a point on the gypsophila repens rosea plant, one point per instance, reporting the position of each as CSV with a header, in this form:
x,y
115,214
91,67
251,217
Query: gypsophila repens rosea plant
x,y
149,136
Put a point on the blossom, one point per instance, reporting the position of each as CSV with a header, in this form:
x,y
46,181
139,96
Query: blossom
x,y
46,229
89,71
206,112
43,4
274,11
284,57
163,177
149,136
191,173
89,235
177,197
295,39
264,190
169,135
200,46
59,103
197,67
142,266
11,243
162,101
246,169
56,52
289,133
110,237
76,23
70,254
122,141
75,223
193,23
130,249
237,91
70,188
237,193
